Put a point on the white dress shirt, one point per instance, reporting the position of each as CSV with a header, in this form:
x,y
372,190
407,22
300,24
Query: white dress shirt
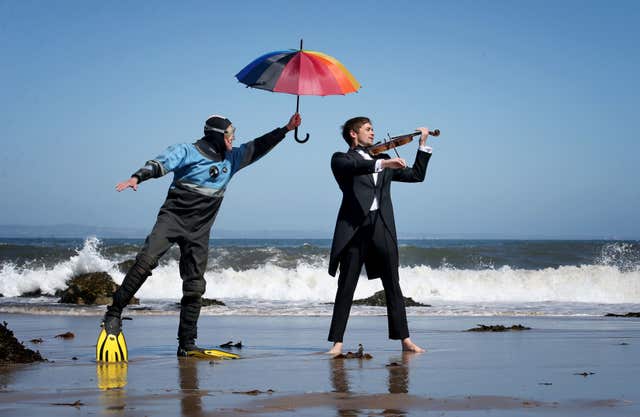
x,y
378,168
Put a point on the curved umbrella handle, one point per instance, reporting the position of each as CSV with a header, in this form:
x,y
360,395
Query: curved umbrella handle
x,y
297,111
300,140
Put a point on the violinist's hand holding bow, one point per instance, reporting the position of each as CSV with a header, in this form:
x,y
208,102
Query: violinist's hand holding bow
x,y
424,132
394,163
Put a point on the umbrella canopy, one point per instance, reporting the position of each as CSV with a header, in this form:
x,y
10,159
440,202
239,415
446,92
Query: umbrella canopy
x,y
299,72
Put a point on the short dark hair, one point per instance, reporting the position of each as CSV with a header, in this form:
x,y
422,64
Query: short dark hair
x,y
353,124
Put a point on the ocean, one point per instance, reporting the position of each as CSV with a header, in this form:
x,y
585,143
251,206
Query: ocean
x,y
274,277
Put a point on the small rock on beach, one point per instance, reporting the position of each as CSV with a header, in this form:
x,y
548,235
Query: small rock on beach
x,y
498,328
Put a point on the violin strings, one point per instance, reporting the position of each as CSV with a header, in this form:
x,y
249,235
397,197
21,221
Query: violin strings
x,y
385,141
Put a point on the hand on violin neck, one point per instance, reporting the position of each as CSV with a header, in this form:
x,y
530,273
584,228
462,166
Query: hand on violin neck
x,y
424,132
394,163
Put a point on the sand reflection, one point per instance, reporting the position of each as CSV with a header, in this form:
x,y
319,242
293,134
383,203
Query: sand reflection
x,y
111,379
397,383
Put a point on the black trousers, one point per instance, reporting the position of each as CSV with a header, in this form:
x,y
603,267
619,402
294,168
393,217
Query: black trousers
x,y
194,248
372,239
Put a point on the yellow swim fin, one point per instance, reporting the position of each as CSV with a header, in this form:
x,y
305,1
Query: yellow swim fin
x,y
111,347
201,353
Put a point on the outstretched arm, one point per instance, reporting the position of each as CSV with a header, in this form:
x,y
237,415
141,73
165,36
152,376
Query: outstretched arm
x,y
263,145
251,151
164,163
152,169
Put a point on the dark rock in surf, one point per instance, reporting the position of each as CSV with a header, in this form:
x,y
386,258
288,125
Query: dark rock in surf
x,y
380,300
207,302
630,314
125,266
32,294
91,289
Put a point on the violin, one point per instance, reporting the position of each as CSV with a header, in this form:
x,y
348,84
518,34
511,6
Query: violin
x,y
396,141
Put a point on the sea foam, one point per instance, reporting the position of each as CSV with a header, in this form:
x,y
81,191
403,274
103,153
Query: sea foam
x,y
608,282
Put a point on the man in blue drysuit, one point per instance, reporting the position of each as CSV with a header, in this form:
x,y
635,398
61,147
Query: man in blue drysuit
x,y
201,172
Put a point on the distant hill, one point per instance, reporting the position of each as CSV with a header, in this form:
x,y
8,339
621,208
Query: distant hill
x,y
69,231
82,231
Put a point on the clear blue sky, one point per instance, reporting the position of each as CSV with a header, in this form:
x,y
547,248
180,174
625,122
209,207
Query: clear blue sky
x,y
537,103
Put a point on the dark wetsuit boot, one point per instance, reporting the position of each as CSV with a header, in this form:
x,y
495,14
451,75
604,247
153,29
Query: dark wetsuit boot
x,y
137,275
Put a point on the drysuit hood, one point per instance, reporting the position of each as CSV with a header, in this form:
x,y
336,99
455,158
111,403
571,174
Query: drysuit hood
x,y
212,142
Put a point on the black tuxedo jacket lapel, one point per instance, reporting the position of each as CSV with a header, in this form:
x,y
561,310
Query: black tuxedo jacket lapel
x,y
356,154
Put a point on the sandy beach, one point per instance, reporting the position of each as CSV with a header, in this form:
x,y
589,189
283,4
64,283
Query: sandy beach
x,y
562,366
258,168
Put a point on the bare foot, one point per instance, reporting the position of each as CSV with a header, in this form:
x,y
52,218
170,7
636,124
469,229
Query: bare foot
x,y
409,346
336,349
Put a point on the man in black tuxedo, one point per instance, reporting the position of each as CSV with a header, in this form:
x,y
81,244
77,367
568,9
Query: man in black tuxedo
x,y
365,231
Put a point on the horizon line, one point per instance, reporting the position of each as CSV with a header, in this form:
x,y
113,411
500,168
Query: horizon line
x,y
17,231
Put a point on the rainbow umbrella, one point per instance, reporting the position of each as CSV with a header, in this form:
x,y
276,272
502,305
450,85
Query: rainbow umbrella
x,y
300,72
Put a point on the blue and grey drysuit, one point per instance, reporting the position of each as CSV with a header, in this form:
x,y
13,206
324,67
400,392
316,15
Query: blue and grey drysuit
x,y
202,171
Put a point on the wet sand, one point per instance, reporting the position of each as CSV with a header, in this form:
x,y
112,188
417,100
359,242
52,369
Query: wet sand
x,y
283,372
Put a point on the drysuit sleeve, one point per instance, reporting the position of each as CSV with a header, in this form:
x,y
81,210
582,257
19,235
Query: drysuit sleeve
x,y
250,152
172,158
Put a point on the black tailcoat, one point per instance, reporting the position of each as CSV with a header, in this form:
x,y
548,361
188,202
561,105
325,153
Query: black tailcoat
x,y
353,174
